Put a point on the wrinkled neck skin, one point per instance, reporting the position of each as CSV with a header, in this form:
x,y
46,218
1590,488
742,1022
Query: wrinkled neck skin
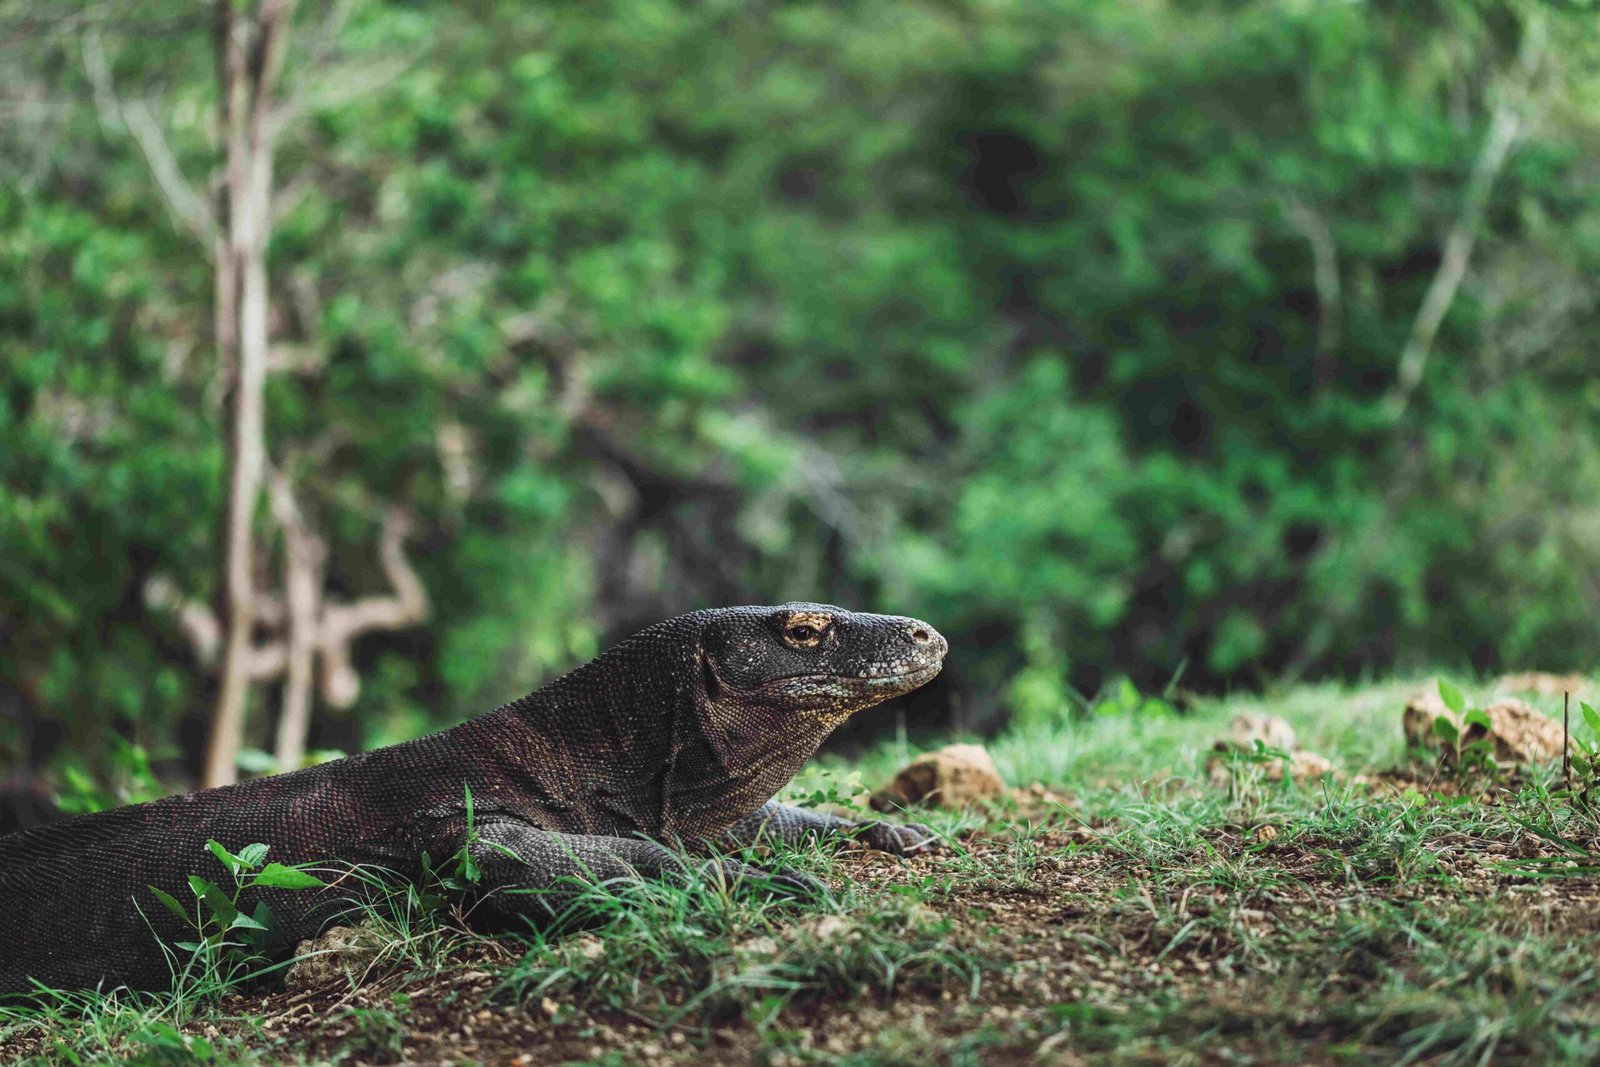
x,y
735,755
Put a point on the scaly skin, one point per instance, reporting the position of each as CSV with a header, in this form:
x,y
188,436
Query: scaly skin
x,y
676,737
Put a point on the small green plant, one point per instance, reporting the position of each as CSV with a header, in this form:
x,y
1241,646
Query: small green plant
x,y
376,1034
827,787
1583,759
230,945
131,781
1122,698
1467,746
160,1042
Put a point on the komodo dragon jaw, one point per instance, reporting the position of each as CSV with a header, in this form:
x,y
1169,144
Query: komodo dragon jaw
x,y
678,735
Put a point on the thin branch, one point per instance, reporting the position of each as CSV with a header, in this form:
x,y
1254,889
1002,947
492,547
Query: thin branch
x,y
342,623
199,623
353,84
304,556
1325,275
197,620
188,210
1504,129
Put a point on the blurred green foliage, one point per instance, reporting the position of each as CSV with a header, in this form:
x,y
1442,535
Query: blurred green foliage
x,y
1012,315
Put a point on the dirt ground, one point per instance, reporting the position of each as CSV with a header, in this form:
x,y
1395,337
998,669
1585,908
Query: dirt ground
x,y
1084,954
1154,908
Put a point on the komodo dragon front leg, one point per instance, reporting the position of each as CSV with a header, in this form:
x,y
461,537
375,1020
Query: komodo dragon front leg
x,y
792,826
528,875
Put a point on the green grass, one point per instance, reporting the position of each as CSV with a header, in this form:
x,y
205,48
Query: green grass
x,y
1146,911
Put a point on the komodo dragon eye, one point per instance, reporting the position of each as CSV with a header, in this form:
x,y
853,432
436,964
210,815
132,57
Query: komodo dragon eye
x,y
805,631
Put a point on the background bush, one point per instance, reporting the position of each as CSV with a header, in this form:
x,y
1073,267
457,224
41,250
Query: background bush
x,y
1074,328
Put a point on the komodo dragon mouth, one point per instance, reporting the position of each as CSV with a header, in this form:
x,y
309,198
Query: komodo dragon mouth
x,y
906,679
857,685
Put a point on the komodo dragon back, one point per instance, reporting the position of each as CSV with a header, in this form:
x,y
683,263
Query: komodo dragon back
x,y
673,735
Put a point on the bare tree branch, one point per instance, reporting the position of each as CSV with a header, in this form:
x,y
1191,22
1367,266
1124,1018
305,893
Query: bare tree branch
x,y
304,556
1504,129
310,626
343,623
198,621
1325,275
188,210
250,58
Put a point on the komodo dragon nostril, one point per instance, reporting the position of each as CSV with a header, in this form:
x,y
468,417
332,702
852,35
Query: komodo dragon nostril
x,y
920,635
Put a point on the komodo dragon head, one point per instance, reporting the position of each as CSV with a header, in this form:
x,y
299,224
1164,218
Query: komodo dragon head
x,y
771,683
812,663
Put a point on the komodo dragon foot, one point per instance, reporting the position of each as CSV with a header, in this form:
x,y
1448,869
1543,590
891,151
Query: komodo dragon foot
x,y
791,825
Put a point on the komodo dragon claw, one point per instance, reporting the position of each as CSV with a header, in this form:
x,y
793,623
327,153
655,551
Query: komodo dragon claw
x,y
897,839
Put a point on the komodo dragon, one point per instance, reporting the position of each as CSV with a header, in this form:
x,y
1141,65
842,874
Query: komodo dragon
x,y
676,738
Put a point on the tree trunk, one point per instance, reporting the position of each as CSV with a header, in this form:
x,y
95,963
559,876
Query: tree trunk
x,y
246,78
304,554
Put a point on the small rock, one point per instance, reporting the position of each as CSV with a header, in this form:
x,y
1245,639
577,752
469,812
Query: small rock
x,y
955,776
1245,730
340,952
589,946
756,947
1273,733
1518,732
1303,766
824,927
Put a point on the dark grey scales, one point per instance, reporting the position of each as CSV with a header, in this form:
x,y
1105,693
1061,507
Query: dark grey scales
x,y
674,739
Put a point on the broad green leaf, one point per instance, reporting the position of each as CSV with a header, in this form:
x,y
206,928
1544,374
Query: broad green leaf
x,y
172,904
1446,728
1591,716
277,876
222,909
253,856
226,858
1452,697
244,921
1476,717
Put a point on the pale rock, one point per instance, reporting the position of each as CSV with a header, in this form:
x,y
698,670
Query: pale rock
x,y
339,952
1273,733
1245,730
1303,766
955,776
1518,732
